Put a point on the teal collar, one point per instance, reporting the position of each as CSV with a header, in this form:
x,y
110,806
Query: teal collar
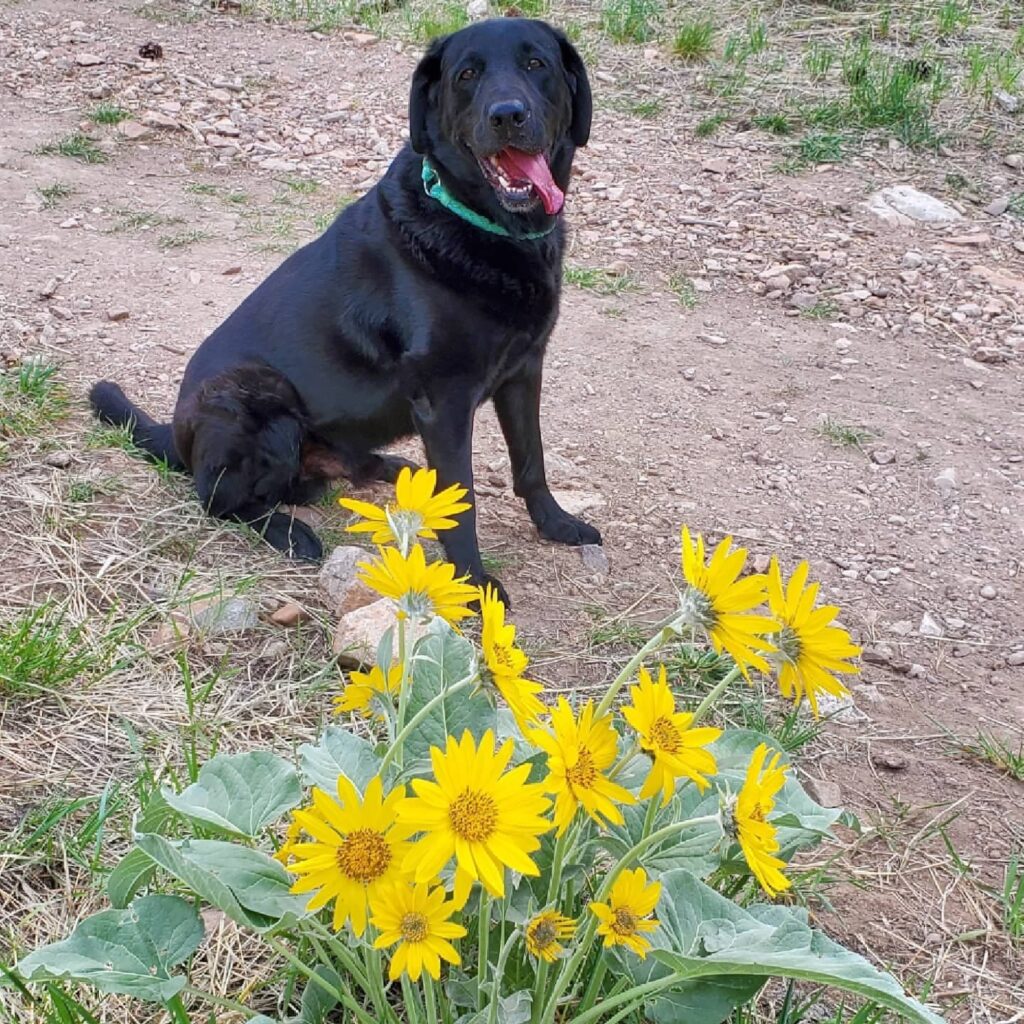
x,y
434,188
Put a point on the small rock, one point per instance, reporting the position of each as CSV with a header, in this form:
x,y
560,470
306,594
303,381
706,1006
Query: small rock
x,y
912,260
218,615
988,592
880,655
930,626
978,238
50,288
88,60
894,760
827,794
290,614
803,300
232,270
59,460
917,671
594,559
946,481
134,131
1009,102
1014,160
154,119
883,456
359,632
1015,658
338,582
117,314
713,339
998,206
578,502
717,165
477,9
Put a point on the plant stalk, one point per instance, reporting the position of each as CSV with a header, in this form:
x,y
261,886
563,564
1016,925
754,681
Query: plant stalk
x,y
661,636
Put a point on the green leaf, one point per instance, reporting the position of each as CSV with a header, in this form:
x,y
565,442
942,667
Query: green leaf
x,y
132,872
515,1008
704,935
129,951
440,659
339,752
239,793
316,1003
250,887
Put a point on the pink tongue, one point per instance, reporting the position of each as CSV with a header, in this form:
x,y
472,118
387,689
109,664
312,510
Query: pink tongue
x,y
534,168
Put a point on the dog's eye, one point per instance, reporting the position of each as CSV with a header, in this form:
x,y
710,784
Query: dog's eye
x,y
533,64
467,74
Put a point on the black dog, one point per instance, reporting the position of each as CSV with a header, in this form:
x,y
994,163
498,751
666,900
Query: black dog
x,y
434,292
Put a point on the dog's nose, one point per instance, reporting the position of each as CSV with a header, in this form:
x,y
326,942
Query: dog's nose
x,y
507,114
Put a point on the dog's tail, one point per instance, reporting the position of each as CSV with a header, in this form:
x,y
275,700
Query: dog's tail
x,y
113,406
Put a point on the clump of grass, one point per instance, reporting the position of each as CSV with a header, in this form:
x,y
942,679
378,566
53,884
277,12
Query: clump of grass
x,y
694,39
1016,206
952,17
324,220
182,239
603,282
740,48
527,8
109,113
30,397
682,288
776,124
55,193
202,188
613,631
40,653
1012,899
142,220
814,148
842,435
823,309
303,186
631,21
435,19
709,125
818,61
999,754
646,109
75,146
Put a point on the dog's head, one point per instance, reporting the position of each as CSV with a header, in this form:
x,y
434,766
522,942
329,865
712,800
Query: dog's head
x,y
500,107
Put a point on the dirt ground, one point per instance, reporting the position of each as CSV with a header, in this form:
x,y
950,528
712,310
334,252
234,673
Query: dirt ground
x,y
685,383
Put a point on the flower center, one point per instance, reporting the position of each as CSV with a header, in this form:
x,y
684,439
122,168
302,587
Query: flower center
x,y
665,736
624,921
473,816
788,642
417,604
697,609
414,927
364,855
543,933
405,523
583,773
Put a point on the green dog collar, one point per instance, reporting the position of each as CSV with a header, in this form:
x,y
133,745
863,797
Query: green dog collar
x,y
435,189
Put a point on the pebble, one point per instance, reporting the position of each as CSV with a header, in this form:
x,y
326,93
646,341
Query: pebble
x,y
824,792
713,339
883,456
594,559
290,614
1015,658
1014,160
59,460
218,615
930,626
988,592
946,481
118,313
894,760
88,60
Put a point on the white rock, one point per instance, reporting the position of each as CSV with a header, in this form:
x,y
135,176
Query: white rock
x,y
930,626
477,9
359,633
577,502
88,60
903,205
946,481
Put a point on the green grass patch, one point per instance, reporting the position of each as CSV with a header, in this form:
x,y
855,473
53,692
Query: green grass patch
x,y
776,124
684,291
76,147
823,309
426,22
54,194
1012,899
594,279
819,60
841,434
631,21
694,39
646,110
709,125
182,239
109,113
994,751
952,18
31,397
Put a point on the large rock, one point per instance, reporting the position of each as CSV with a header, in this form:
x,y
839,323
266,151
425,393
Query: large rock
x,y
904,205
359,632
341,590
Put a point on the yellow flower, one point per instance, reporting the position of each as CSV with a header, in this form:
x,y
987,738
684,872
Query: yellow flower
x,y
483,816
364,686
720,602
810,648
416,917
757,837
417,511
506,663
624,916
579,752
545,934
666,736
357,849
420,591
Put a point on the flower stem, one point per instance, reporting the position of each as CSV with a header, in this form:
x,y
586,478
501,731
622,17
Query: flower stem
x,y
632,997
594,987
176,1008
652,813
342,952
403,691
411,1000
499,973
430,998
706,704
392,752
223,1002
661,636
483,942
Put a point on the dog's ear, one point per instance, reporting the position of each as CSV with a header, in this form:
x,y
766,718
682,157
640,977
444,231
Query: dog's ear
x,y
426,76
579,86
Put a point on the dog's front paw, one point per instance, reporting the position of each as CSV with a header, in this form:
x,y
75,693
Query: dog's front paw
x,y
566,529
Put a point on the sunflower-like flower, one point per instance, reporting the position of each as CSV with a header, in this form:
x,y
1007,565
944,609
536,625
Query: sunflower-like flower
x,y
416,917
675,749
362,687
623,919
420,591
416,512
357,849
810,648
476,811
506,663
545,934
757,836
720,602
580,751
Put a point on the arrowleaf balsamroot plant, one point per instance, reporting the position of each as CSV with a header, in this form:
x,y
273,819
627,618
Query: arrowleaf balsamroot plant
x,y
473,850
